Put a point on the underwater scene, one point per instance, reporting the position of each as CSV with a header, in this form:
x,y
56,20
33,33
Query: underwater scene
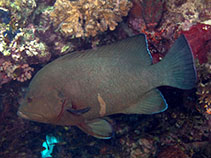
x,y
105,79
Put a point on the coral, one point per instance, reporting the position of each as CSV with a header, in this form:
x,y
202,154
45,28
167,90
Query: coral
x,y
136,147
24,43
19,47
13,41
46,33
20,10
152,16
145,149
3,40
86,18
204,86
172,152
27,44
181,15
4,3
176,16
205,96
191,10
4,16
17,50
146,15
3,77
17,72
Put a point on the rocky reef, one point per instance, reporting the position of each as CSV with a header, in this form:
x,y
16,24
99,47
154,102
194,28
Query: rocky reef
x,y
35,32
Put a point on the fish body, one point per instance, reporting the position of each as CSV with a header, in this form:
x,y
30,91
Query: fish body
x,y
83,87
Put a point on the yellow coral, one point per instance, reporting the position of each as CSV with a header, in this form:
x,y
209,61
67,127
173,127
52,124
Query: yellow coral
x,y
84,18
17,4
4,3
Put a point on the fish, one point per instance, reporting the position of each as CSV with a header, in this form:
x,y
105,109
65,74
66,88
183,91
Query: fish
x,y
48,146
84,87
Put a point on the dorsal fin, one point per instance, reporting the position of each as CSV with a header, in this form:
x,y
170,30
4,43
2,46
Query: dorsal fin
x,y
130,48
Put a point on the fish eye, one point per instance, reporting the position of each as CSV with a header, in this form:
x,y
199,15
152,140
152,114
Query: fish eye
x,y
29,99
60,94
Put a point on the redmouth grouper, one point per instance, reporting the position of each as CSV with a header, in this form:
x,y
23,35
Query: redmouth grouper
x,y
83,87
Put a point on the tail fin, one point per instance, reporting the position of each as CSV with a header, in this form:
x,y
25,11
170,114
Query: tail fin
x,y
178,66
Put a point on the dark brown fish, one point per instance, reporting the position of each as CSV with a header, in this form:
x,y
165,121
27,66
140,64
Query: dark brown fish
x,y
83,87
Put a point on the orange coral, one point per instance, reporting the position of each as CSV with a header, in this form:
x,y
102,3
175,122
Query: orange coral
x,y
84,18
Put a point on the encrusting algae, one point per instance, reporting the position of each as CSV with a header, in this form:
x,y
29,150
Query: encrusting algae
x,y
86,18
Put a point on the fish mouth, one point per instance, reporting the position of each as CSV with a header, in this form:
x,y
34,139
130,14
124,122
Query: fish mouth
x,y
22,115
29,116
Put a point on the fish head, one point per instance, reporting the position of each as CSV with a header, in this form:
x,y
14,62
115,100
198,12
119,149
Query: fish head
x,y
41,104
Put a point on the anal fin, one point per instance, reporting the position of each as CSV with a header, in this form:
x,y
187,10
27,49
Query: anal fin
x,y
99,128
152,102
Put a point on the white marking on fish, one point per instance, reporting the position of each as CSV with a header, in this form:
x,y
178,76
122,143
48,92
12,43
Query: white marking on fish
x,y
102,111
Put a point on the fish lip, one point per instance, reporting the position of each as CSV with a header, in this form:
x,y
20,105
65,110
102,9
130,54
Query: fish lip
x,y
25,115
21,114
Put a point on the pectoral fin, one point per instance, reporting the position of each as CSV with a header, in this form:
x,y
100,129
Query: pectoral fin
x,y
152,102
78,111
99,128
